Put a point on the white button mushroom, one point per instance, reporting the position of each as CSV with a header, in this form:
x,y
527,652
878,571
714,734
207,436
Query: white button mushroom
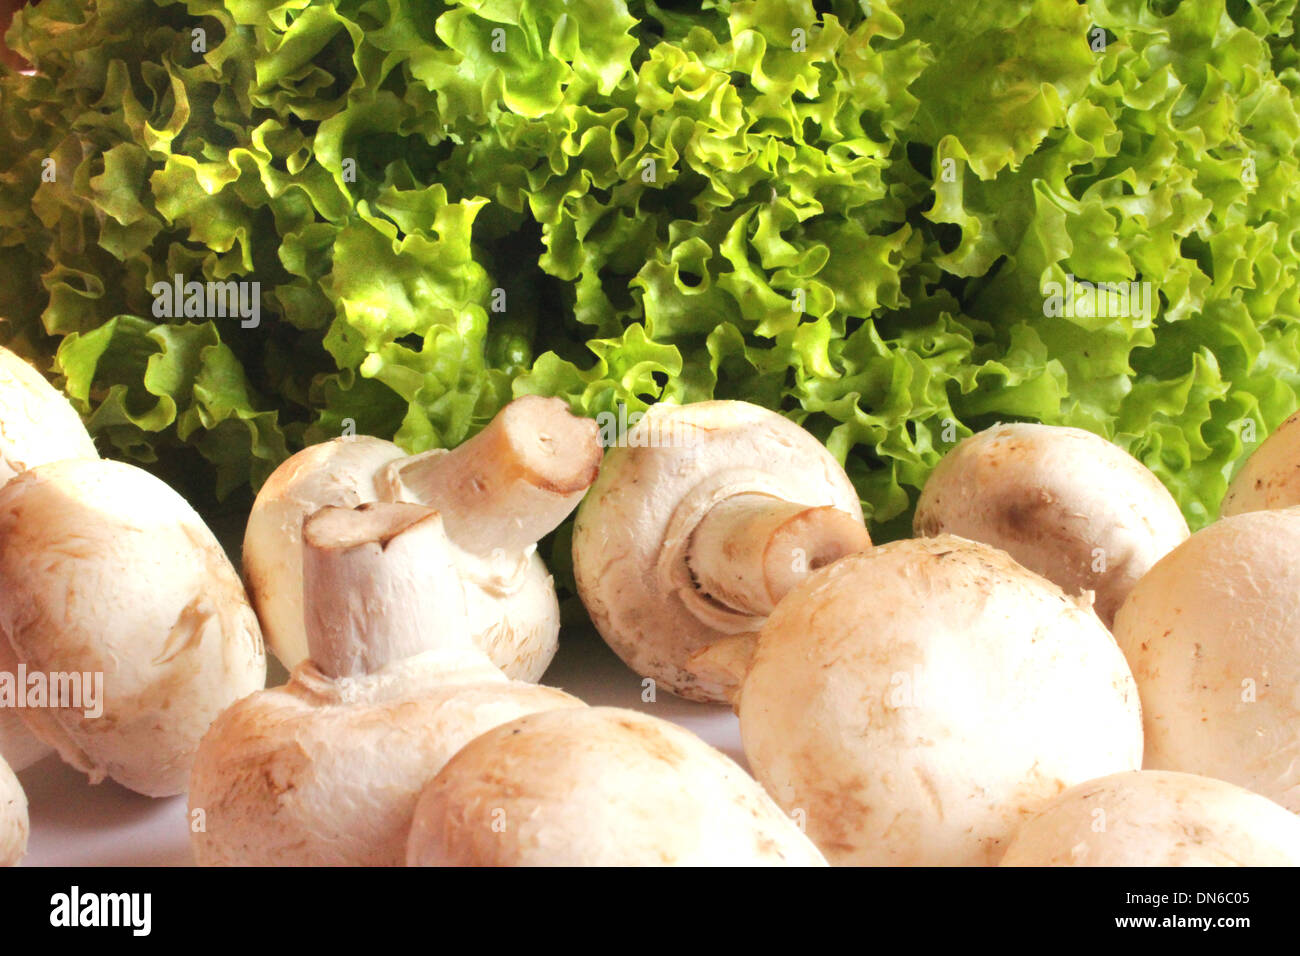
x,y
600,786
37,425
1213,636
17,743
697,527
19,747
13,817
918,700
106,574
1271,476
1158,818
498,493
327,769
1065,503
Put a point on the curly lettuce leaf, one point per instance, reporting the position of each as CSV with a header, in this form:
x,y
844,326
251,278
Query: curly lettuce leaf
x,y
847,211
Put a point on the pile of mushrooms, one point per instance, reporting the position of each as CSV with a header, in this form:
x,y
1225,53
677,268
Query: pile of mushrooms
x,y
863,691
1052,673
328,770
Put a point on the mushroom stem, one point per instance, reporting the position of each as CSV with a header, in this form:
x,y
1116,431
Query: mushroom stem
x,y
510,484
751,549
379,585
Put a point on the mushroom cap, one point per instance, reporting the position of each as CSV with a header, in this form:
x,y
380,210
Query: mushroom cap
x,y
515,618
19,747
1270,478
600,786
342,473
633,528
105,570
14,825
1065,503
1211,634
514,612
327,773
1158,818
37,424
918,700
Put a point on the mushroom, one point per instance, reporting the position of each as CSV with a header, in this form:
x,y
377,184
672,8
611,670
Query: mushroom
x,y
697,527
117,599
1063,502
1211,634
18,746
13,817
498,494
918,700
1157,818
1271,476
600,786
37,425
327,769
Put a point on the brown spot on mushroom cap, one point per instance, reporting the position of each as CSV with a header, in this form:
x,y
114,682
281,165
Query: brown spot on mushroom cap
x,y
1065,503
655,743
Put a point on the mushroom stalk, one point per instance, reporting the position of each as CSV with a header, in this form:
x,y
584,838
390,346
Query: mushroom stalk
x,y
750,550
374,579
510,484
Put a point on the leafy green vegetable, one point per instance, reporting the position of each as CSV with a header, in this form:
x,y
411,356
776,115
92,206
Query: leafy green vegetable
x,y
846,211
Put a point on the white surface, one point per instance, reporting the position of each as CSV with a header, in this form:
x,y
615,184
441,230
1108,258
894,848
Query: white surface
x,y
76,824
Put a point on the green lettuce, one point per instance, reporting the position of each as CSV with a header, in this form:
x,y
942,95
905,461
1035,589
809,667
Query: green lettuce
x,y
846,211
